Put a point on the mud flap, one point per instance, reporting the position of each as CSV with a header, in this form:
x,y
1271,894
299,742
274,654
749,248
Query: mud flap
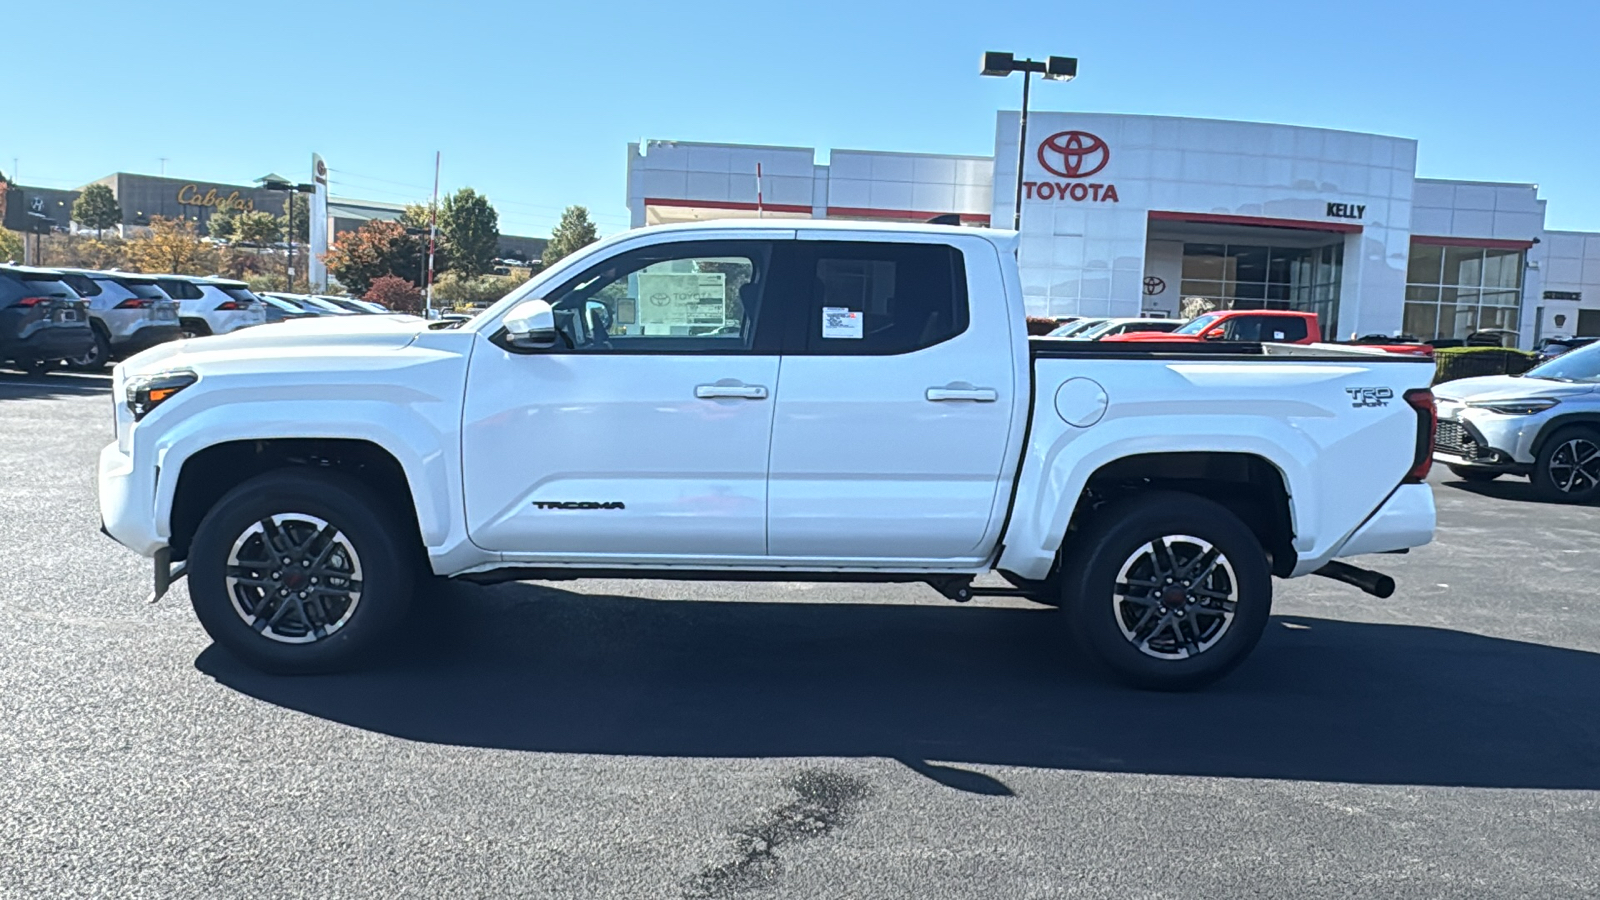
x,y
166,573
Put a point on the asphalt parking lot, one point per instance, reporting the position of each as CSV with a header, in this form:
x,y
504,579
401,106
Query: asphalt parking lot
x,y
650,740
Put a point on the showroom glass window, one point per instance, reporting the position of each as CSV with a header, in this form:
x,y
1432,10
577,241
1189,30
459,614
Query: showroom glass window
x,y
1256,276
1453,291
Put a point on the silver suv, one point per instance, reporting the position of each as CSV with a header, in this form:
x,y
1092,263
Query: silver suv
x,y
1544,424
129,313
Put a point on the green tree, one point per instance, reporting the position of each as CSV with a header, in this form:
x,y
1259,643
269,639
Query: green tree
x,y
97,208
574,232
223,224
258,227
297,218
376,249
416,215
471,227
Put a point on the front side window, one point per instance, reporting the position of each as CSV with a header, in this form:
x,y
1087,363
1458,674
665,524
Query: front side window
x,y
881,299
687,297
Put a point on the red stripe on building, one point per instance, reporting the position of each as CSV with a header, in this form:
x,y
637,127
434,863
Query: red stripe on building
x,y
1485,243
1259,221
863,212
726,204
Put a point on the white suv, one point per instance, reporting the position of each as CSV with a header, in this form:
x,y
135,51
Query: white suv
x,y
1544,424
129,313
213,305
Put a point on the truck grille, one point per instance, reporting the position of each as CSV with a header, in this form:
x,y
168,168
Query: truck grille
x,y
1452,438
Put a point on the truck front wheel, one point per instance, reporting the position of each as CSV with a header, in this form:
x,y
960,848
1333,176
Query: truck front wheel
x,y
299,572
1169,591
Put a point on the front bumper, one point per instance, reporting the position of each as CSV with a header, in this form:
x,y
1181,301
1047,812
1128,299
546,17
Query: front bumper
x,y
127,502
1479,438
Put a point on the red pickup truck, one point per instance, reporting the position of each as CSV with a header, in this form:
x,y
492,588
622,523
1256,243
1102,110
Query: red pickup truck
x,y
1267,326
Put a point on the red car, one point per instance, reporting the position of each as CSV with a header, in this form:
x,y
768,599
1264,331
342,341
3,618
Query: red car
x,y
1267,326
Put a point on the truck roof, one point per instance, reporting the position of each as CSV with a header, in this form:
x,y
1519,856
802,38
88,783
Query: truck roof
x,y
1000,237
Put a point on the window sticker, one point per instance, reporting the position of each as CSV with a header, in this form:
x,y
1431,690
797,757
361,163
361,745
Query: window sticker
x,y
1277,335
841,322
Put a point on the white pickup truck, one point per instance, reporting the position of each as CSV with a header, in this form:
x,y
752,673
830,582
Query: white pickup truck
x,y
771,400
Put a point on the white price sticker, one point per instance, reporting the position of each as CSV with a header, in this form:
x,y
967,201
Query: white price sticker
x,y
840,322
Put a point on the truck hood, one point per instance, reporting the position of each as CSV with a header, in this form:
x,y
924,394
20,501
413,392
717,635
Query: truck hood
x,y
317,338
1508,387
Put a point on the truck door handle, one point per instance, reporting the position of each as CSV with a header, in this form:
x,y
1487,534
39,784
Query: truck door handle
x,y
977,395
741,391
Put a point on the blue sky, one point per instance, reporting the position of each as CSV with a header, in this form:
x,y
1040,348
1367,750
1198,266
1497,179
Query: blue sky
x,y
534,103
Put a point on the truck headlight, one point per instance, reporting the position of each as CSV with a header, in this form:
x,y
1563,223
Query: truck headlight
x,y
146,392
1515,407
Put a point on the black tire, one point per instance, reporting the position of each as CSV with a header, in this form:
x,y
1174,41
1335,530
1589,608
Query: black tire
x,y
193,328
1193,642
383,555
97,357
1468,473
1567,469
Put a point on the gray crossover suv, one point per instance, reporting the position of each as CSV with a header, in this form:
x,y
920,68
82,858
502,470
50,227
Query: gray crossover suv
x,y
129,313
1544,424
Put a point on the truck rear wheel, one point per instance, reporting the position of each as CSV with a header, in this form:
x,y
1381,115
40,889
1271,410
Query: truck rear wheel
x,y
300,572
1169,591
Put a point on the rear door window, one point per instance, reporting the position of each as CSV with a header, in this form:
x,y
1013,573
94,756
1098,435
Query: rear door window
x,y
147,290
879,298
83,284
179,289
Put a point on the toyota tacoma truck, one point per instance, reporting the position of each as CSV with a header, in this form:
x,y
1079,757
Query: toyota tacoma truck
x,y
763,401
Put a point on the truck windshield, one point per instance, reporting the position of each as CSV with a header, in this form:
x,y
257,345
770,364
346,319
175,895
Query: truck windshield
x,y
1199,324
1582,365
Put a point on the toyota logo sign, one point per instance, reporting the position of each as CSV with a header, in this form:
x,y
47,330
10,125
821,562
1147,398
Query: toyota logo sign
x,y
1153,285
1073,154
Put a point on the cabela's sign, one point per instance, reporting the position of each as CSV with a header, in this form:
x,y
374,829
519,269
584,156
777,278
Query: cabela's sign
x,y
189,195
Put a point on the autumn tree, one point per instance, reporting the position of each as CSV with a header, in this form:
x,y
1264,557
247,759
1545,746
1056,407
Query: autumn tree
x,y
10,245
97,208
574,232
396,293
471,228
172,246
376,249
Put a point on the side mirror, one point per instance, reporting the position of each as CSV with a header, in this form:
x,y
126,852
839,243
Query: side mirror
x,y
531,325
1214,334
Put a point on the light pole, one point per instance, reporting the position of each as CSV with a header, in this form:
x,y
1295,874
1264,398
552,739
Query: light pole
x,y
289,189
1053,68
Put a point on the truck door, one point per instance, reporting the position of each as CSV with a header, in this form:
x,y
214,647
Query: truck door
x,y
894,407
644,434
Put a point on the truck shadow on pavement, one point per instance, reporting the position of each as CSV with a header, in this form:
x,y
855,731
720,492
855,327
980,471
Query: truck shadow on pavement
x,y
525,667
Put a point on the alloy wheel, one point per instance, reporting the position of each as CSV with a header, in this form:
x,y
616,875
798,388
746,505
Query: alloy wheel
x,y
1175,597
294,578
1575,466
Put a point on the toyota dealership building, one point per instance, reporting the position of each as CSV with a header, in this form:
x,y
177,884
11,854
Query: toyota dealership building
x,y
1130,215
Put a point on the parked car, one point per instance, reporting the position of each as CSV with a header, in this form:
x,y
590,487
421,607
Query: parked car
x,y
212,305
43,321
1075,327
128,312
1552,347
1126,326
1543,424
916,434
1397,343
352,304
1267,326
314,305
279,310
